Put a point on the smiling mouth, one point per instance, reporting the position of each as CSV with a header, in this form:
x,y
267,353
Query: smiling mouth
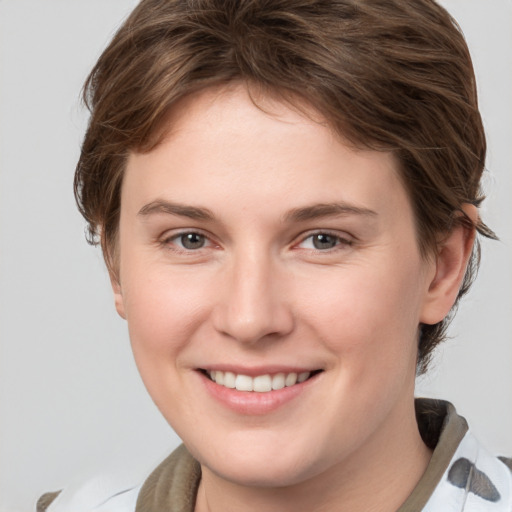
x,y
260,383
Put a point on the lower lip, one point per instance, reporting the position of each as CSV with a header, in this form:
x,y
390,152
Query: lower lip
x,y
253,402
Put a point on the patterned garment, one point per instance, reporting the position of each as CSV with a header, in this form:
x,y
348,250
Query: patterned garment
x,y
474,481
461,477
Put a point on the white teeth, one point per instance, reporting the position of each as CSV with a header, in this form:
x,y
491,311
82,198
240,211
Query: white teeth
x,y
229,380
303,376
291,379
261,383
278,381
242,383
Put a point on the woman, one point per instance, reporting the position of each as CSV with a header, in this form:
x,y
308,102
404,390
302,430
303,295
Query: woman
x,y
286,195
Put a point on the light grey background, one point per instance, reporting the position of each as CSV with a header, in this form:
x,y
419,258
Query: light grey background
x,y
71,402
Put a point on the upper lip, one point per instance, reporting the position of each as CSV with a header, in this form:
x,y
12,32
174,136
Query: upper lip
x,y
254,371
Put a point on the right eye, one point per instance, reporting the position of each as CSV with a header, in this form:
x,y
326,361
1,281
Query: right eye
x,y
191,241
188,241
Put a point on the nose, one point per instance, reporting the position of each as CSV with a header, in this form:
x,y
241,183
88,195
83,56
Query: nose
x,y
253,304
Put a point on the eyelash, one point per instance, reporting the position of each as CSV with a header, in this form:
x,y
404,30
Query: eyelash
x,y
341,242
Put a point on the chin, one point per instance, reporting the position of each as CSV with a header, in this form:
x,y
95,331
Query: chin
x,y
259,464
269,474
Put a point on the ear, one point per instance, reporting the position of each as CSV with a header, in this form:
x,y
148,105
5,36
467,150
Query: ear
x,y
118,295
450,266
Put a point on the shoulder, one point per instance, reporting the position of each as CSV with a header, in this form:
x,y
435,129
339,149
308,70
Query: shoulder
x,y
101,493
476,480
462,475
173,482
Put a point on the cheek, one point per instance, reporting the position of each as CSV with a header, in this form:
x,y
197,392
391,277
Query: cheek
x,y
368,313
163,315
162,310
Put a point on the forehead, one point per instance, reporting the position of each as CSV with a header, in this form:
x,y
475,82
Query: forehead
x,y
227,146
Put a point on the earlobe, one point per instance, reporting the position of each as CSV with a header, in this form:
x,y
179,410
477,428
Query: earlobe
x,y
118,295
450,266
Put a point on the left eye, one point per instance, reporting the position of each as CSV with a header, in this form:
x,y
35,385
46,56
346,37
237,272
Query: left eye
x,y
322,241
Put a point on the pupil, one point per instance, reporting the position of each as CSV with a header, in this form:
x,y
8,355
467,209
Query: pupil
x,y
192,241
323,241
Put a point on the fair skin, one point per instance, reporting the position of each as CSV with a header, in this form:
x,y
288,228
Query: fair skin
x,y
255,242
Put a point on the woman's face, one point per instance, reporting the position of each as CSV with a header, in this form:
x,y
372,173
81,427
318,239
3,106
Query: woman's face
x,y
258,250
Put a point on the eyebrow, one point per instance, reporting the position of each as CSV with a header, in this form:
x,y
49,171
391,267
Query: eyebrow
x,y
300,214
317,211
167,207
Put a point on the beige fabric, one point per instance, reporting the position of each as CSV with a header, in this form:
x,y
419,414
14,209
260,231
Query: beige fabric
x,y
442,430
46,500
173,485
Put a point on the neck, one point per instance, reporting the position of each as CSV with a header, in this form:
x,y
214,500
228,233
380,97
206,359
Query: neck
x,y
379,476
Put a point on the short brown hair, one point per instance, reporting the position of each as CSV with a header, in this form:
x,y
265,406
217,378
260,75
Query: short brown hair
x,y
393,75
